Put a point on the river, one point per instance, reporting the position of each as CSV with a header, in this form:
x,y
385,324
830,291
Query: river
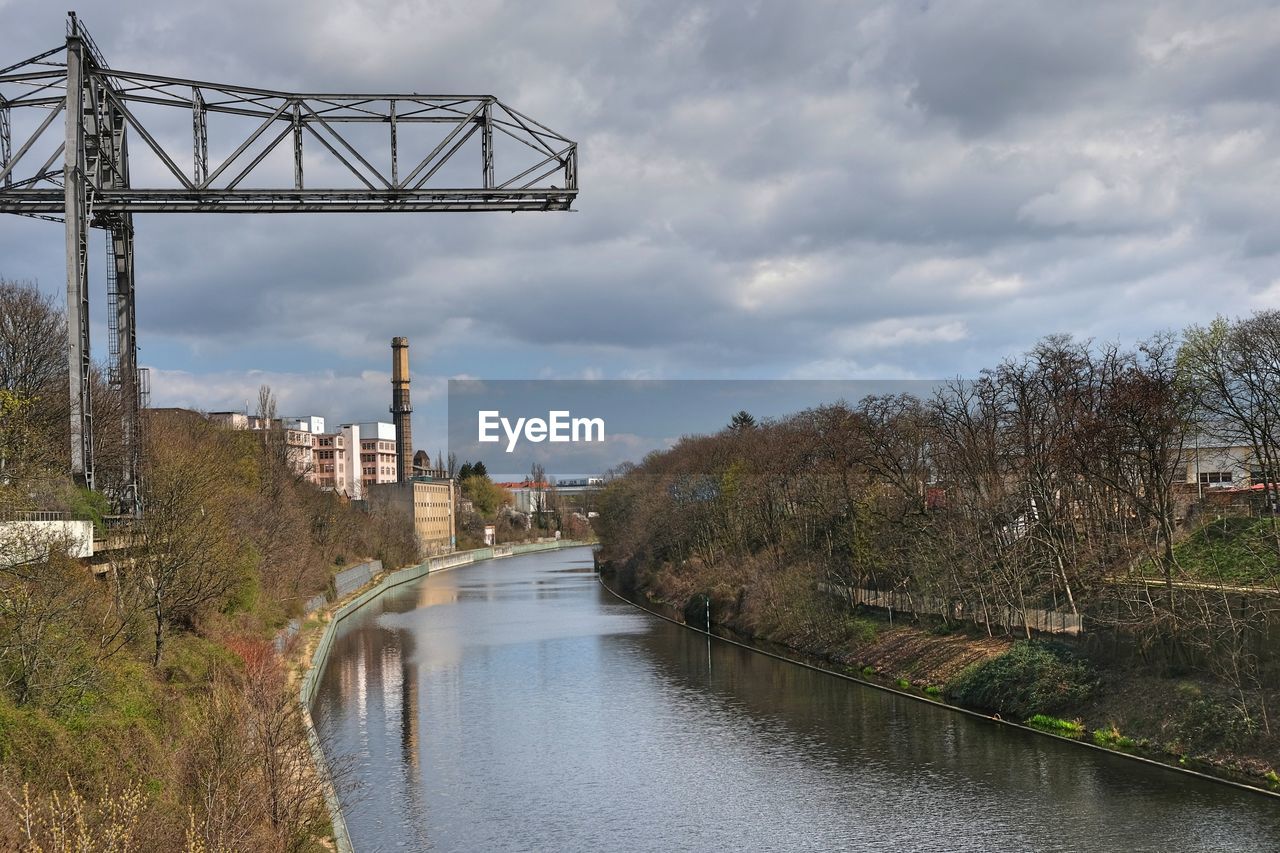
x,y
516,705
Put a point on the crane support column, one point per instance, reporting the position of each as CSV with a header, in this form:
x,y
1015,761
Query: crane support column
x,y
76,216
124,369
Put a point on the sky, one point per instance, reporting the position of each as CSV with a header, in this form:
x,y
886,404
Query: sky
x,y
768,190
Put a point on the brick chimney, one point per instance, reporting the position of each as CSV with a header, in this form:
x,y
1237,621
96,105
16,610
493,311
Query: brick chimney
x,y
401,409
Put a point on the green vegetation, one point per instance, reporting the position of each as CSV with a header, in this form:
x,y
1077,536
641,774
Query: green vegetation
x,y
859,632
1056,725
150,706
903,684
488,503
484,493
146,708
934,690
1234,550
1031,678
90,505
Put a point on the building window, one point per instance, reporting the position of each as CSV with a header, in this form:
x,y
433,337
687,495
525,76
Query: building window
x,y
1215,478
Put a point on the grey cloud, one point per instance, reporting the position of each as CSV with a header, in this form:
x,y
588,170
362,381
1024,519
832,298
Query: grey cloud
x,y
769,188
982,64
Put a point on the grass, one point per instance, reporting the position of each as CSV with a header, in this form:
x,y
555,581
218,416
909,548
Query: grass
x,y
934,690
868,670
859,632
1273,780
903,684
1232,549
1056,725
127,727
1113,739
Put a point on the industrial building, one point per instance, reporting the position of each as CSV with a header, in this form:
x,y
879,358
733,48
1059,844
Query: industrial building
x,y
429,503
371,461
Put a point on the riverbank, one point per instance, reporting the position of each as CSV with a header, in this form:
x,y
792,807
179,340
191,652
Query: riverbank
x,y
1138,715
309,650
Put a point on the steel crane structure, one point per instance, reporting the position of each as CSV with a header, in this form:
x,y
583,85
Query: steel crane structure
x,y
281,152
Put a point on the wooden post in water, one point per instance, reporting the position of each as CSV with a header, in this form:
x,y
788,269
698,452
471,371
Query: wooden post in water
x,y
708,634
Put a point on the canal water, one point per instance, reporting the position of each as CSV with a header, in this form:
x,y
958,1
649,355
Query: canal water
x,y
516,705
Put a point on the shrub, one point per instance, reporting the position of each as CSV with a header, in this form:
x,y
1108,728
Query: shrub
x,y
1031,678
68,821
903,683
1210,722
933,690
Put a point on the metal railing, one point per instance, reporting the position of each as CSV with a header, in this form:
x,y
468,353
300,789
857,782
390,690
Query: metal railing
x,y
34,515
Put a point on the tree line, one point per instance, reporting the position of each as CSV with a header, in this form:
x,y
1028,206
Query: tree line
x,y
143,705
1056,480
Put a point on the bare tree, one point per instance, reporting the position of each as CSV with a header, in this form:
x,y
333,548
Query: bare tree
x,y
266,405
34,404
186,558
33,358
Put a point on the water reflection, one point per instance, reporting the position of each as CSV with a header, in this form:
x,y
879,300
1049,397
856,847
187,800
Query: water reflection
x,y
514,705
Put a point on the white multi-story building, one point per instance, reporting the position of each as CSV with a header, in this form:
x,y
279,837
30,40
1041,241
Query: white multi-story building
x,y
347,461
377,452
329,462
298,434
310,423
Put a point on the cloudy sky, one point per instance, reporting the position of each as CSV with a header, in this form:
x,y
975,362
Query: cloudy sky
x,y
768,190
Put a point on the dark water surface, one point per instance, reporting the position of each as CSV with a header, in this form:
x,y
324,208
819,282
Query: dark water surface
x,y
516,705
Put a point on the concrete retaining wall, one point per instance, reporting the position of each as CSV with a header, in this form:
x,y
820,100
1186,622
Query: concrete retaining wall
x,y
349,580
31,540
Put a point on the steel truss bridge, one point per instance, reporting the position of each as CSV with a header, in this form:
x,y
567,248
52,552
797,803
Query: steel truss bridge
x,y
249,151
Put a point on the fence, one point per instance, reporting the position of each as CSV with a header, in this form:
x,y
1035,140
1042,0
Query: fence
x,y
902,601
33,515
